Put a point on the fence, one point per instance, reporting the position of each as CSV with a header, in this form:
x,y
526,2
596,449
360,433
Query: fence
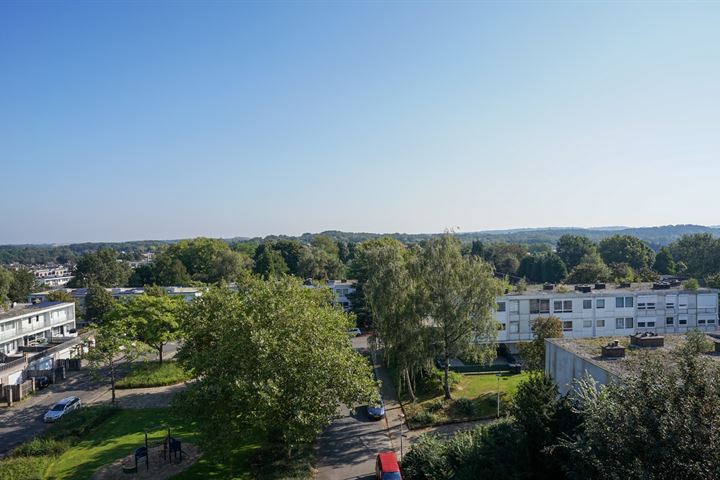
x,y
18,391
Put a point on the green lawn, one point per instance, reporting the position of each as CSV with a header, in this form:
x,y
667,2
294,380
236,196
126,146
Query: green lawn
x,y
477,395
153,374
124,432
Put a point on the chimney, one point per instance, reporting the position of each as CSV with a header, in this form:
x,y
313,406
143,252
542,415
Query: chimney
x,y
612,350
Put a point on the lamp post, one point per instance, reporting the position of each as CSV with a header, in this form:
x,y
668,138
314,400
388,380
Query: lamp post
x,y
498,394
402,420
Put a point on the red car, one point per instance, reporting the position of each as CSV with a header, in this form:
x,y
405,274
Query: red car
x,y
386,467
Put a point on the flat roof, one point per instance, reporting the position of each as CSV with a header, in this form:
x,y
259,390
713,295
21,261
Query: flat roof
x,y
24,309
610,289
590,349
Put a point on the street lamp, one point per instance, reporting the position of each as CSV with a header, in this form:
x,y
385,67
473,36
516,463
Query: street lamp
x,y
402,420
498,394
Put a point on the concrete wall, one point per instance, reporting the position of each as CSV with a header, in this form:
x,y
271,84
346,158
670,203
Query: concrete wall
x,y
565,366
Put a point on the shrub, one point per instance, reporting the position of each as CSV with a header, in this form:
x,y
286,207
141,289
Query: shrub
x,y
465,407
435,406
422,417
153,375
426,459
39,446
691,284
24,468
433,382
80,422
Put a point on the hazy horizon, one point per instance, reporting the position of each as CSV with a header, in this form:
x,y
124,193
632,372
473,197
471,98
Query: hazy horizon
x,y
175,120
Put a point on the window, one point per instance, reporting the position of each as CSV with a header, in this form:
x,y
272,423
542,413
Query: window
x,y
651,324
682,320
562,306
587,304
701,321
670,304
600,323
567,326
539,306
624,302
670,321
502,326
501,306
587,323
711,320
641,324
514,305
600,303
514,327
623,323
650,306
682,301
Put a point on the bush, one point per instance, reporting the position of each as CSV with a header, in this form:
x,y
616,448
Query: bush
x,y
153,375
465,407
426,459
422,417
39,446
435,406
24,468
433,382
80,422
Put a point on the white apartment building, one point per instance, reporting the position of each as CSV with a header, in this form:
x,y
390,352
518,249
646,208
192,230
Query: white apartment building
x,y
342,289
602,310
27,325
187,293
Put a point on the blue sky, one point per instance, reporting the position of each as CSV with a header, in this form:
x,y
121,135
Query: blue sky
x,y
139,120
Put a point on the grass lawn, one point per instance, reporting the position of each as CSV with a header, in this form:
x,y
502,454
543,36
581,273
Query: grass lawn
x,y
124,432
153,374
475,396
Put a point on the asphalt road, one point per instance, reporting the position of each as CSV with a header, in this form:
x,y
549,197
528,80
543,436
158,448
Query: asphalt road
x,y
348,447
23,420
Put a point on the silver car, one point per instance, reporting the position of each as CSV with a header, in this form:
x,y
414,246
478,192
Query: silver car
x,y
67,404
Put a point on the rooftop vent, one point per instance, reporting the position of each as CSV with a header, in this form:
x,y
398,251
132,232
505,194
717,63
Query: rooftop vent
x,y
625,285
661,285
548,286
647,339
599,286
583,288
613,350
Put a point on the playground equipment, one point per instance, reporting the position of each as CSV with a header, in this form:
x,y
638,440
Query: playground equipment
x,y
169,449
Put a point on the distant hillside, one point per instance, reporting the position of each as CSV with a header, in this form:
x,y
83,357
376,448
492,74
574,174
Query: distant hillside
x,y
655,236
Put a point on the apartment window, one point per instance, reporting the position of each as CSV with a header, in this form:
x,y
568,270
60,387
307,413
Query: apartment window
x,y
501,306
711,320
650,306
539,306
651,324
670,305
670,321
682,320
701,321
514,327
600,323
623,323
682,301
587,323
567,326
641,324
587,304
514,306
562,306
624,302
600,303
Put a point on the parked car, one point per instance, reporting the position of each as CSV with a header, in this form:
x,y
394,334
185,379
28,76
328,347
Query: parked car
x,y
354,332
67,404
376,409
42,382
386,466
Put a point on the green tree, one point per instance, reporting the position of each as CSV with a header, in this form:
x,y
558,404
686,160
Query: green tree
x,y
691,284
269,262
626,249
102,268
319,264
274,358
590,269
22,285
572,249
664,262
200,256
533,353
6,279
460,294
699,253
291,251
392,298
113,343
169,272
154,319
543,267
98,303
477,249
326,244
622,272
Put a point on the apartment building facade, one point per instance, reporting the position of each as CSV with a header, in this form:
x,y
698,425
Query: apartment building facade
x,y
600,310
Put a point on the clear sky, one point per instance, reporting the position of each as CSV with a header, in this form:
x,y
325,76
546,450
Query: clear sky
x,y
154,120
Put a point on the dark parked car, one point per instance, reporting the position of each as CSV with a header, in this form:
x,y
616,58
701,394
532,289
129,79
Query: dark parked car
x,y
376,409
